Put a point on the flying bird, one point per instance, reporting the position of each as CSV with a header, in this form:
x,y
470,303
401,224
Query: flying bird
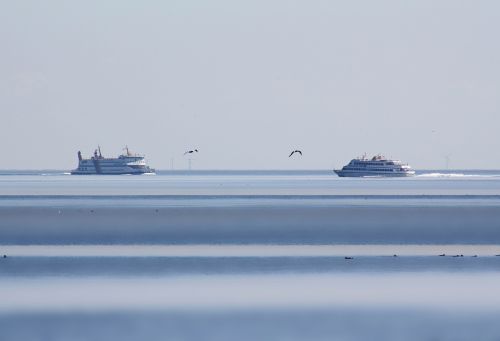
x,y
191,151
295,151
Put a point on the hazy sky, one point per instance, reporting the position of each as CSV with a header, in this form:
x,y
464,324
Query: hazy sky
x,y
246,82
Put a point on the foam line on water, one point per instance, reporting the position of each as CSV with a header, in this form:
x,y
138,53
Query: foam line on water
x,y
456,175
255,250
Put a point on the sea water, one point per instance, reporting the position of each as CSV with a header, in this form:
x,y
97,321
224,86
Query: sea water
x,y
218,255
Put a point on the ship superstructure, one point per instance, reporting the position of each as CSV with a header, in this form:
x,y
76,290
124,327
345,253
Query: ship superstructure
x,y
127,163
376,166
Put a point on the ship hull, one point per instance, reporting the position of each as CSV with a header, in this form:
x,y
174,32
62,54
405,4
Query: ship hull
x,y
362,174
75,172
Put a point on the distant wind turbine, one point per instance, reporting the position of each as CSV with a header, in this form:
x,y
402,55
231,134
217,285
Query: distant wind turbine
x,y
447,160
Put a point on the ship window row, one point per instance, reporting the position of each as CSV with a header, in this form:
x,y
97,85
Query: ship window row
x,y
373,169
375,163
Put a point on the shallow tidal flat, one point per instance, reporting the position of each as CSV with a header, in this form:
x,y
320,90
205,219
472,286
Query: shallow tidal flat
x,y
221,255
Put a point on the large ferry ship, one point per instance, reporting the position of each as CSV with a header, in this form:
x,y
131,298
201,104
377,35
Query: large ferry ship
x,y
126,163
376,166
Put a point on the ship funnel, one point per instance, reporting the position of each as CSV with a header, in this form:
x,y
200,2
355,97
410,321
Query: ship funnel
x,y
79,156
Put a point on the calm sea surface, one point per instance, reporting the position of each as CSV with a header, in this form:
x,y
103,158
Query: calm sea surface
x,y
249,255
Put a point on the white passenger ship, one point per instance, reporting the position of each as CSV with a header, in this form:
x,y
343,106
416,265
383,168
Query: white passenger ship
x,y
376,166
126,163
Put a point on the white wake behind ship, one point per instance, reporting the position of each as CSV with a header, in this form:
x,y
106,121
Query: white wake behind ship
x,y
127,163
376,166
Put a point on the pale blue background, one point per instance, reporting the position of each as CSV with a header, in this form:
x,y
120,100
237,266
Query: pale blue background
x,y
248,81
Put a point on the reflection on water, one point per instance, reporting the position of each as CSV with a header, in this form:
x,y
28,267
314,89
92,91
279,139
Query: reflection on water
x,y
259,255
249,250
253,324
433,291
419,306
34,267
412,223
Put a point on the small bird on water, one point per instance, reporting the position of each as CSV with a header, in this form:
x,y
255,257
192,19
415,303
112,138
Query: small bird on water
x,y
295,151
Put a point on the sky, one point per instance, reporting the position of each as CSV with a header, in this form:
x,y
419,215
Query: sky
x,y
246,82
